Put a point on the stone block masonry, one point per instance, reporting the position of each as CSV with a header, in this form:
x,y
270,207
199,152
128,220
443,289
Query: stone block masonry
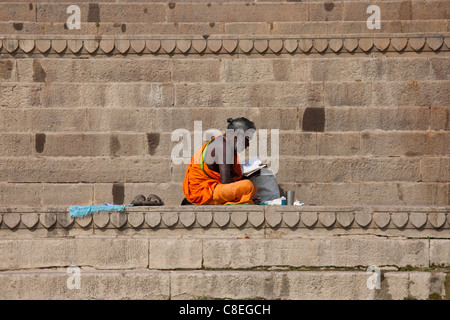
x,y
86,117
312,252
379,121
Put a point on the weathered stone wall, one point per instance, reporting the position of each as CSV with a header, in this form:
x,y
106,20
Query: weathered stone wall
x,y
227,252
86,115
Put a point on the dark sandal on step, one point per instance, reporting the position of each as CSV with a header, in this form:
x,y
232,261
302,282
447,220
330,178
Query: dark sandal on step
x,y
151,200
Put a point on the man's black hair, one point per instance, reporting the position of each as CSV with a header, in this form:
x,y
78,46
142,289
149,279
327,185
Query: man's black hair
x,y
240,123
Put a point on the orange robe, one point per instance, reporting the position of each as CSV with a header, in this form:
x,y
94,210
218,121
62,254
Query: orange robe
x,y
202,185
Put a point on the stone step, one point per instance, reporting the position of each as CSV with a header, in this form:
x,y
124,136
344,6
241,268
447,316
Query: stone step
x,y
370,193
194,285
189,1
319,28
224,12
290,144
212,94
164,169
160,75
56,194
303,120
105,253
322,193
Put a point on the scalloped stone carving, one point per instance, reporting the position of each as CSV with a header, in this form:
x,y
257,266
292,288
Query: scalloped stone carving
x,y
136,219
321,45
29,219
199,45
305,44
101,219
137,45
381,219
351,44
221,218
75,45
122,46
291,218
261,45
435,43
382,43
59,45
290,45
276,45
399,44
11,45
204,218
187,219
345,218
229,45
106,45
446,40
11,220
91,45
84,221
153,219
363,218
400,219
118,218
43,45
417,43
418,219
365,44
246,45
437,219
26,45
168,45
309,219
184,45
335,44
273,217
153,45
170,219
256,218
214,45
327,218
64,219
48,219
239,218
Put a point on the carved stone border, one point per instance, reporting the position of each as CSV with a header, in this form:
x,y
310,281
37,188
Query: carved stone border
x,y
272,217
224,44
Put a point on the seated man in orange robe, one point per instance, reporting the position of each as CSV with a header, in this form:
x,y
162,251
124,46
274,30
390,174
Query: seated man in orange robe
x,y
214,175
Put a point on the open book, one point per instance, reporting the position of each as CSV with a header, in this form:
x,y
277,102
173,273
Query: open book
x,y
251,166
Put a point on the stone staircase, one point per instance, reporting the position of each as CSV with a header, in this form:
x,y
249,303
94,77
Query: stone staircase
x,y
87,115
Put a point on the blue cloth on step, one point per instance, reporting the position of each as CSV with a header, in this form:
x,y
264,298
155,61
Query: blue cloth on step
x,y
81,211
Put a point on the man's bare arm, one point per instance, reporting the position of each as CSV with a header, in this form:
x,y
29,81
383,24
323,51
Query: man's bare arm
x,y
224,167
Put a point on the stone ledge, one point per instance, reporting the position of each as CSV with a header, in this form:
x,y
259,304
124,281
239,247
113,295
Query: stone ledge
x,y
145,284
116,253
225,44
275,218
